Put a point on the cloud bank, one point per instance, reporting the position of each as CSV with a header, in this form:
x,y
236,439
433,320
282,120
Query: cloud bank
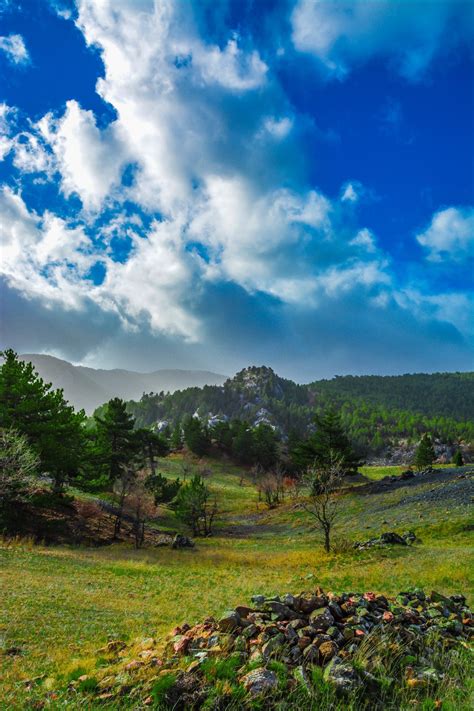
x,y
191,221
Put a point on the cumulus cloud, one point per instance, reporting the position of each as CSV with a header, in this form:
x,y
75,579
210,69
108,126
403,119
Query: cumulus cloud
x,y
344,34
450,235
219,215
14,48
89,160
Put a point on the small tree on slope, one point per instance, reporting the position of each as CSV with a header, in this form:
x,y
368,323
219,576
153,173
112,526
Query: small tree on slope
x,y
425,454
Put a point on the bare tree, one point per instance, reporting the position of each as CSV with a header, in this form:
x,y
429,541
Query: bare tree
x,y
139,505
324,482
270,485
123,486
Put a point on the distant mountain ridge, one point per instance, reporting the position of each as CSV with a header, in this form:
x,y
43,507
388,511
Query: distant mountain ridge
x,y
88,388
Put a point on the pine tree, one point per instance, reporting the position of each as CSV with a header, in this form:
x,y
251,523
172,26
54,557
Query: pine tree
x,y
265,446
176,440
243,443
425,454
150,445
328,440
196,436
458,460
33,408
117,444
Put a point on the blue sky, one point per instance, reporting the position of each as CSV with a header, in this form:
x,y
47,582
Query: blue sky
x,y
215,184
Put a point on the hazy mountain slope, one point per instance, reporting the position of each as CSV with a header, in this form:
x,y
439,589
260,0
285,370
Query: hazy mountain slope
x,y
89,387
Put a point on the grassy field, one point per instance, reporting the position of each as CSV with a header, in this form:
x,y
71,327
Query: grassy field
x,y
60,604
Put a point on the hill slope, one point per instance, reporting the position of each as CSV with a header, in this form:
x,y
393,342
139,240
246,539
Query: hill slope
x,y
89,387
375,409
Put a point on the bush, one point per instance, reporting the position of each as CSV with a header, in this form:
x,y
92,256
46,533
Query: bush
x,y
18,467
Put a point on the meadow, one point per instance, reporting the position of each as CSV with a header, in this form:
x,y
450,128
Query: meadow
x,y
60,604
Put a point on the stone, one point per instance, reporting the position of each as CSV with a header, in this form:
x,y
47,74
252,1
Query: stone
x,y
343,676
304,642
273,646
229,621
311,653
180,541
259,681
321,618
327,650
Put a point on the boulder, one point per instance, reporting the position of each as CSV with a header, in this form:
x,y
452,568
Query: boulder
x,y
180,541
259,681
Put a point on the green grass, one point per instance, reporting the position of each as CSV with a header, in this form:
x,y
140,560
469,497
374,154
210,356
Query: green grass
x,y
375,473
61,604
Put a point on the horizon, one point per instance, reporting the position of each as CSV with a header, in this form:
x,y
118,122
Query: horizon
x,y
247,367
204,185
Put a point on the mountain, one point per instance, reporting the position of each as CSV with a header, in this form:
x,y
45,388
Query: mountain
x,y
88,388
375,410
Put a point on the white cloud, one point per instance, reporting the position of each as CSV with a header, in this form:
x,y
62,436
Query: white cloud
x,y
15,49
278,128
364,238
88,159
450,235
212,140
343,34
42,256
231,67
350,193
7,115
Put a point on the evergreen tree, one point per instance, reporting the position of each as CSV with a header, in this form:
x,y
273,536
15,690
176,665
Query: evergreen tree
x,y
328,440
242,443
164,490
425,454
116,441
265,446
176,441
150,445
221,432
34,409
195,506
196,436
458,460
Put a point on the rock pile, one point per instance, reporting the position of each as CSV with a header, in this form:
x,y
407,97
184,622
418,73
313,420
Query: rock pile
x,y
388,538
341,637
325,630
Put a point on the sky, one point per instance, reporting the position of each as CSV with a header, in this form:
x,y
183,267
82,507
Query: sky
x,y
221,183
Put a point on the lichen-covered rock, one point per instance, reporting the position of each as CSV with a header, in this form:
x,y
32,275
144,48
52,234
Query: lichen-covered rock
x,y
229,621
259,681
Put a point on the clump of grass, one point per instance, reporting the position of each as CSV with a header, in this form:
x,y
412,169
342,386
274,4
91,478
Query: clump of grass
x,y
225,668
161,687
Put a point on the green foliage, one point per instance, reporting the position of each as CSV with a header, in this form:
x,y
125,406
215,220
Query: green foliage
x,y
195,506
150,445
458,460
425,454
116,444
225,668
328,441
161,687
196,436
164,490
53,429
18,467
375,411
176,440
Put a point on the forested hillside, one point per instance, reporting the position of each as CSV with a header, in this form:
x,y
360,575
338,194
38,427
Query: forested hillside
x,y
375,410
